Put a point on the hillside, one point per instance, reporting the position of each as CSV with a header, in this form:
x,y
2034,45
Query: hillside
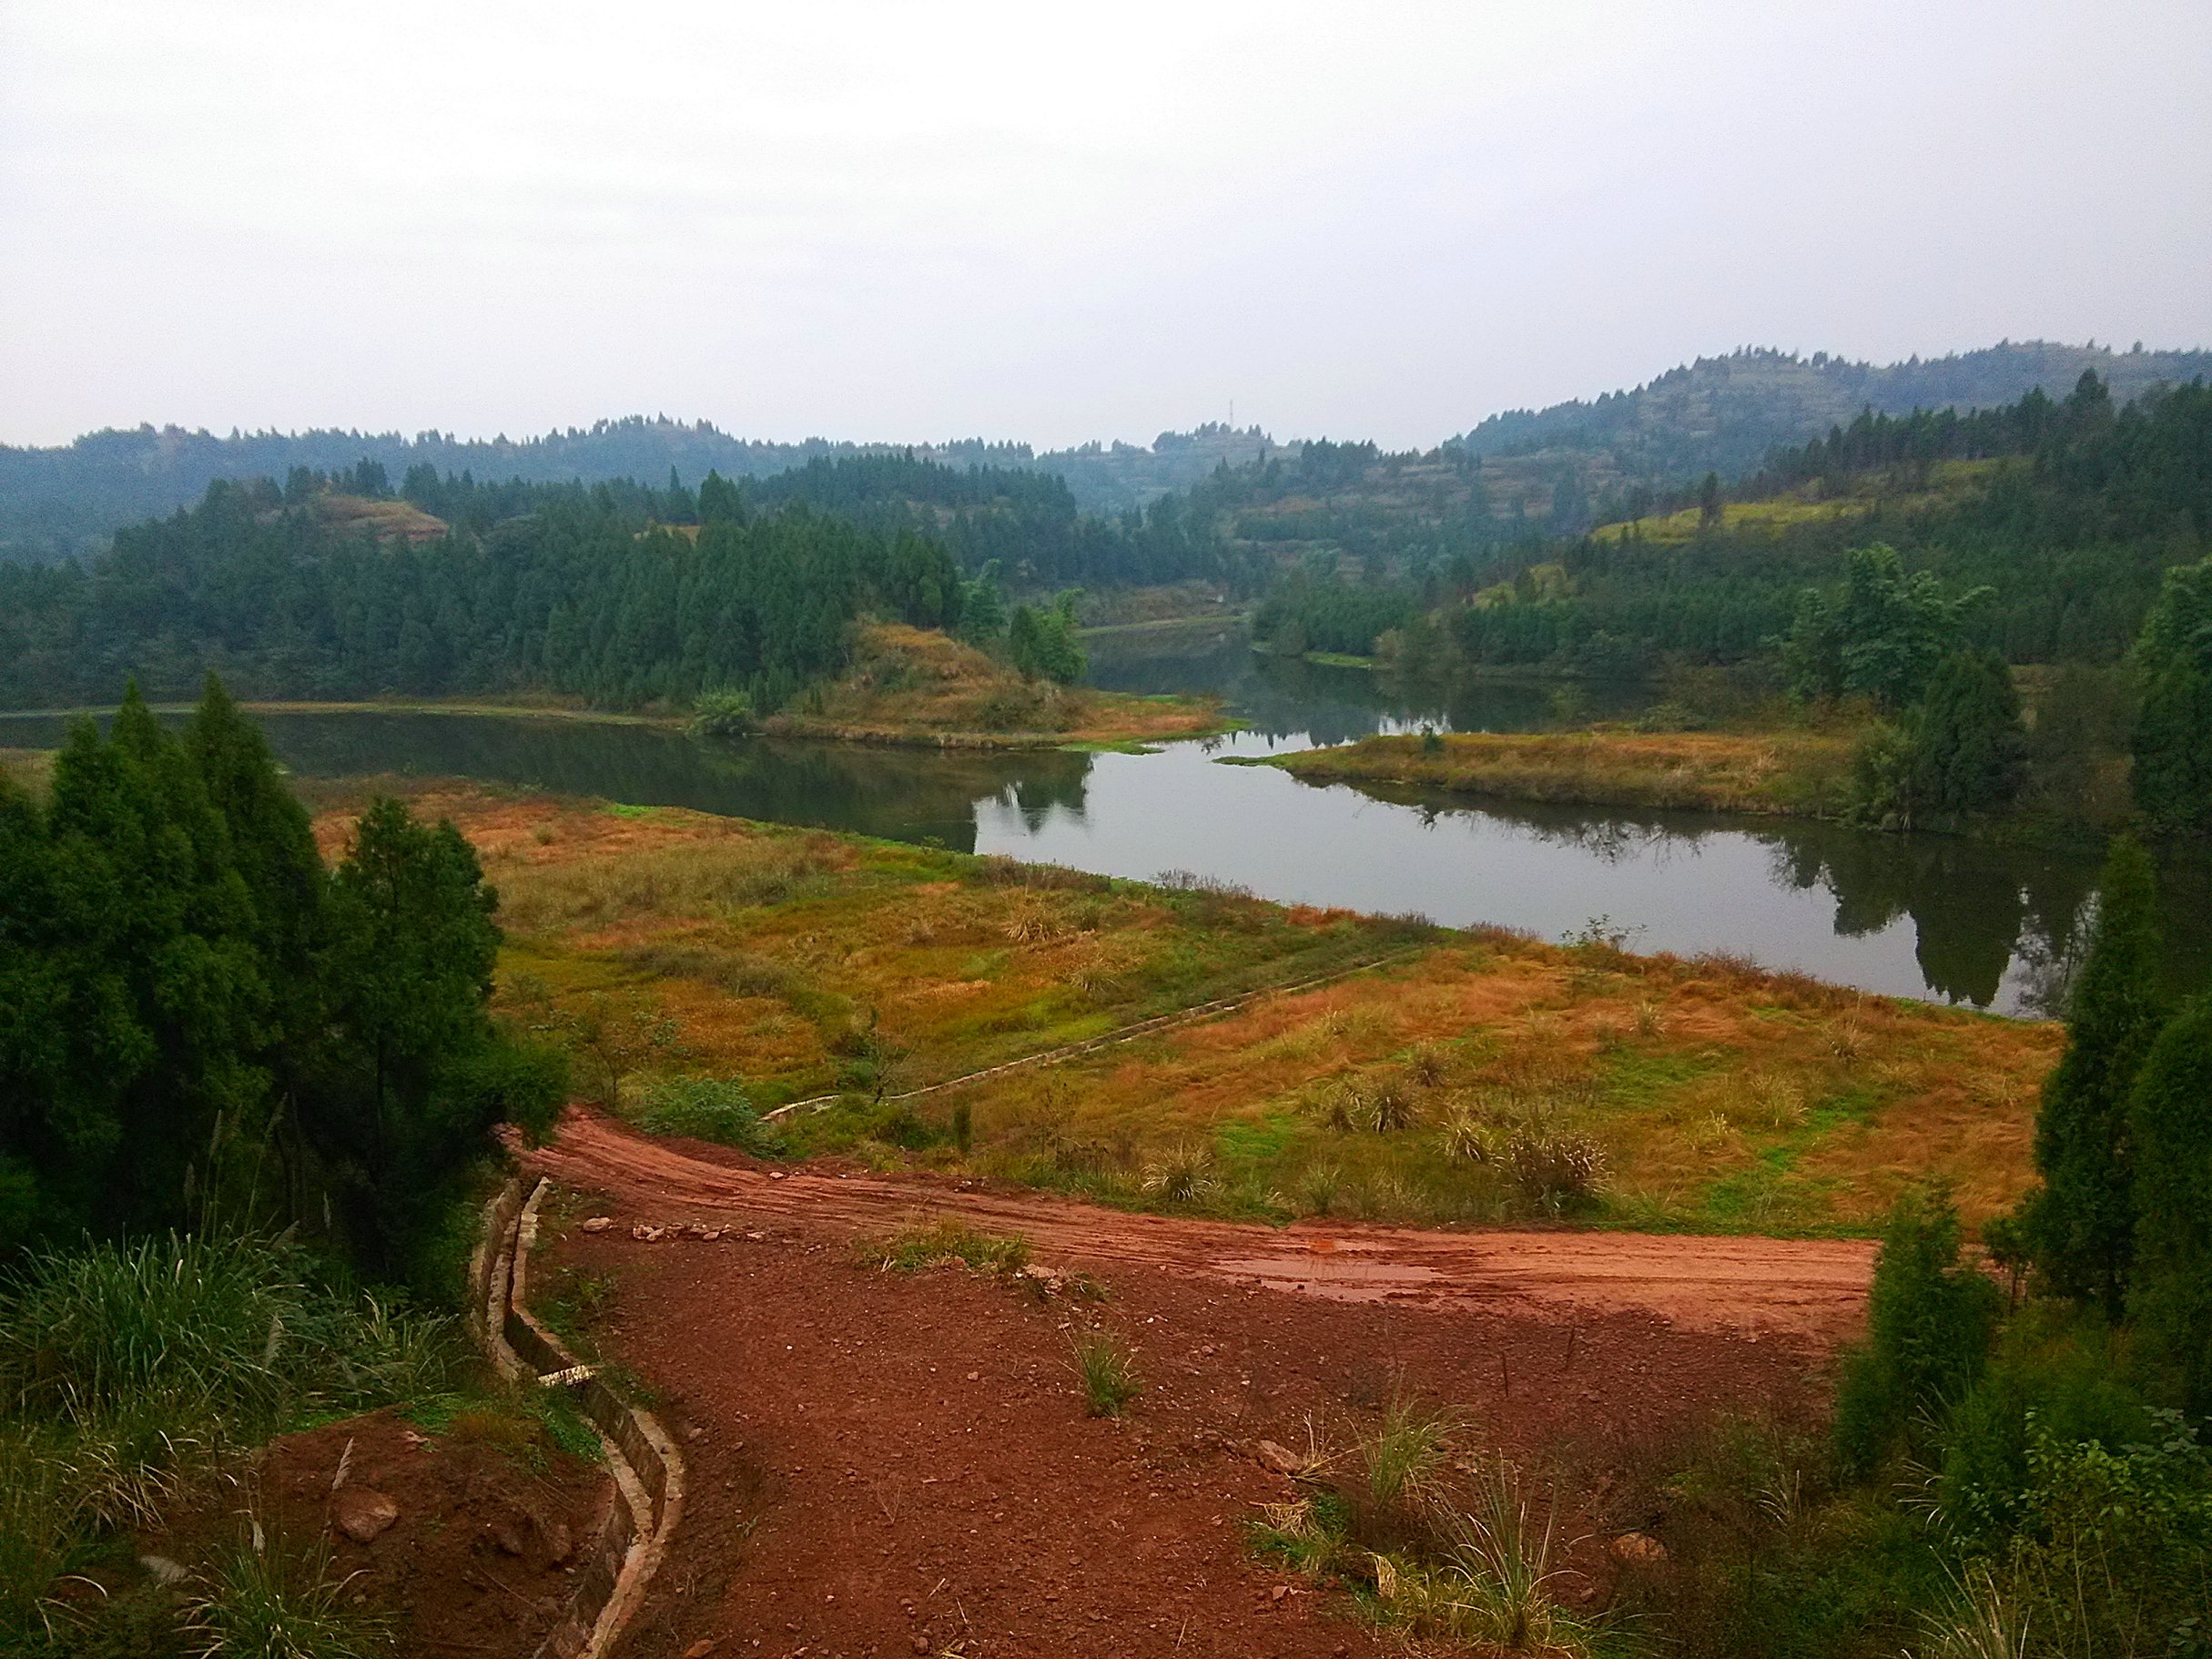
x,y
1725,413
65,499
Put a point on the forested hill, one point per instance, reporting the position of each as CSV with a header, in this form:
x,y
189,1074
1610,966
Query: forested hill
x,y
1725,414
601,593
2068,511
66,500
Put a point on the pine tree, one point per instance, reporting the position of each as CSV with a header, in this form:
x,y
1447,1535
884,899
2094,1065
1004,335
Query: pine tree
x,y
408,974
2172,778
2171,1117
2081,1222
1968,744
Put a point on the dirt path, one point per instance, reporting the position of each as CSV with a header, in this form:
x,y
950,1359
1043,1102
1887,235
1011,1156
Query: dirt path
x,y
1811,1291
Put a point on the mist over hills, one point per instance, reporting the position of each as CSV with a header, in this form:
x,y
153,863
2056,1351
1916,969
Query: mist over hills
x,y
1725,414
1718,413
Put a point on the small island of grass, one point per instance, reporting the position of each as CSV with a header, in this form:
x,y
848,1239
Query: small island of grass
x,y
1794,773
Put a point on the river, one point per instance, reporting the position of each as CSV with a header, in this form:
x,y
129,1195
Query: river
x,y
1928,916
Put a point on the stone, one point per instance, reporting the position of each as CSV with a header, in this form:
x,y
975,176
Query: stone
x,y
700,1649
362,1512
1639,1550
599,1224
163,1571
1274,1455
507,1533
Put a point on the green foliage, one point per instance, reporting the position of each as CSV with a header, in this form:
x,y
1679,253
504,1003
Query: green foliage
x,y
1972,745
408,975
2112,1552
722,714
1881,635
708,1109
1042,643
2081,1221
2173,737
1929,1323
129,1365
258,1599
2170,1128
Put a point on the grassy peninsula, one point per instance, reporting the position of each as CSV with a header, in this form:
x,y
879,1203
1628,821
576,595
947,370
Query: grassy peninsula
x,y
917,685
1790,773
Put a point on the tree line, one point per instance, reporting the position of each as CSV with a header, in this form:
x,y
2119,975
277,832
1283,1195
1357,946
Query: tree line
x,y
203,1024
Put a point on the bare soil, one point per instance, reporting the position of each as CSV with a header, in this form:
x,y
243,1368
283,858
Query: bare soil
x,y
491,1526
884,1463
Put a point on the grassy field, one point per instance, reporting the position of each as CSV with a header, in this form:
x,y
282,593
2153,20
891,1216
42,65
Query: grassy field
x,y
1945,483
1803,773
911,685
1470,1076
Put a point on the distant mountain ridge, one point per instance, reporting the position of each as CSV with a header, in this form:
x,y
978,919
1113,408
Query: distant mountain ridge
x,y
1725,414
67,499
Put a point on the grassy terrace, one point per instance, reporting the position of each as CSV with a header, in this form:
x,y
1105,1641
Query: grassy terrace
x,y
1472,1076
1801,773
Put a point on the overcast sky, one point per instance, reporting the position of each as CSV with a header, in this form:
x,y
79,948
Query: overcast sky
x,y
1059,222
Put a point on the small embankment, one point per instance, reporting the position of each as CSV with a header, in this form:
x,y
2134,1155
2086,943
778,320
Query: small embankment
x,y
1811,1290
1788,773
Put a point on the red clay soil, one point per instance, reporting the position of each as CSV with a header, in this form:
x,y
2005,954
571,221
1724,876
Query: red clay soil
x,y
885,1464
482,1554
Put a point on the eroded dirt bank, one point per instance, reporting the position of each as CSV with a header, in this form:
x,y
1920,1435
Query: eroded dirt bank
x,y
886,1464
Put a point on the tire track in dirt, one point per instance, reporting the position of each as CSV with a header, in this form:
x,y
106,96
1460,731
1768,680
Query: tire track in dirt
x,y
1807,1290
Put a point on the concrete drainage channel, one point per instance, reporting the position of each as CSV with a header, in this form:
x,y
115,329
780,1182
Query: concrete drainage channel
x,y
648,1470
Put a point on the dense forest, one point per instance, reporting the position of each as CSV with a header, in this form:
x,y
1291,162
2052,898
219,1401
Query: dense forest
x,y
2068,511
593,593
64,501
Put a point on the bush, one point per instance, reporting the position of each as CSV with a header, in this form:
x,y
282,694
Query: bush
x,y
257,1601
1929,1321
708,1109
1555,1172
722,714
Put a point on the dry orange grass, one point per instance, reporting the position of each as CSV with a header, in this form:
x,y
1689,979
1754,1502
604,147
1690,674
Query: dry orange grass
x,y
1771,772
1722,1096
910,685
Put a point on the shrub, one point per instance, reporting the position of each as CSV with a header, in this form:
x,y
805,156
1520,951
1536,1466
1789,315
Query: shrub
x,y
1107,1369
2171,1119
722,714
708,1109
1929,1322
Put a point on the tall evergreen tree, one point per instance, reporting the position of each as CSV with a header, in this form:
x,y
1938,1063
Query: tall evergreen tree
x,y
2081,1222
408,977
1970,746
2173,737
2171,1114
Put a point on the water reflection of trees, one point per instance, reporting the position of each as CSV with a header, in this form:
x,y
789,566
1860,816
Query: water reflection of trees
x,y
900,794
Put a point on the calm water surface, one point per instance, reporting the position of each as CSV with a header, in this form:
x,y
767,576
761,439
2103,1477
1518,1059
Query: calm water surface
x,y
1932,916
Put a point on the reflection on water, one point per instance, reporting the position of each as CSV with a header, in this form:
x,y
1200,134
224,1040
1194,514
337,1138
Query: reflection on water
x,y
1924,916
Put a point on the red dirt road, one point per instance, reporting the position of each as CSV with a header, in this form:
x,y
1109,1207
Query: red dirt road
x,y
884,1463
1807,1290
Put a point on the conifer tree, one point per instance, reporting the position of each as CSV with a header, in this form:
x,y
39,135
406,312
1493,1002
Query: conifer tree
x,y
2081,1221
1970,746
2171,1116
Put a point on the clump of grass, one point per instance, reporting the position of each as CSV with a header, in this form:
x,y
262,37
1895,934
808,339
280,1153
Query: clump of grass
x,y
259,1600
708,1109
1183,1175
142,1361
1390,1105
1466,1138
1555,1171
1506,1562
944,1242
1320,1188
1107,1368
1402,1461
1982,1621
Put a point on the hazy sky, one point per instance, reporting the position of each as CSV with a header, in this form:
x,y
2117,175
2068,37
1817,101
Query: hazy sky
x,y
1058,222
